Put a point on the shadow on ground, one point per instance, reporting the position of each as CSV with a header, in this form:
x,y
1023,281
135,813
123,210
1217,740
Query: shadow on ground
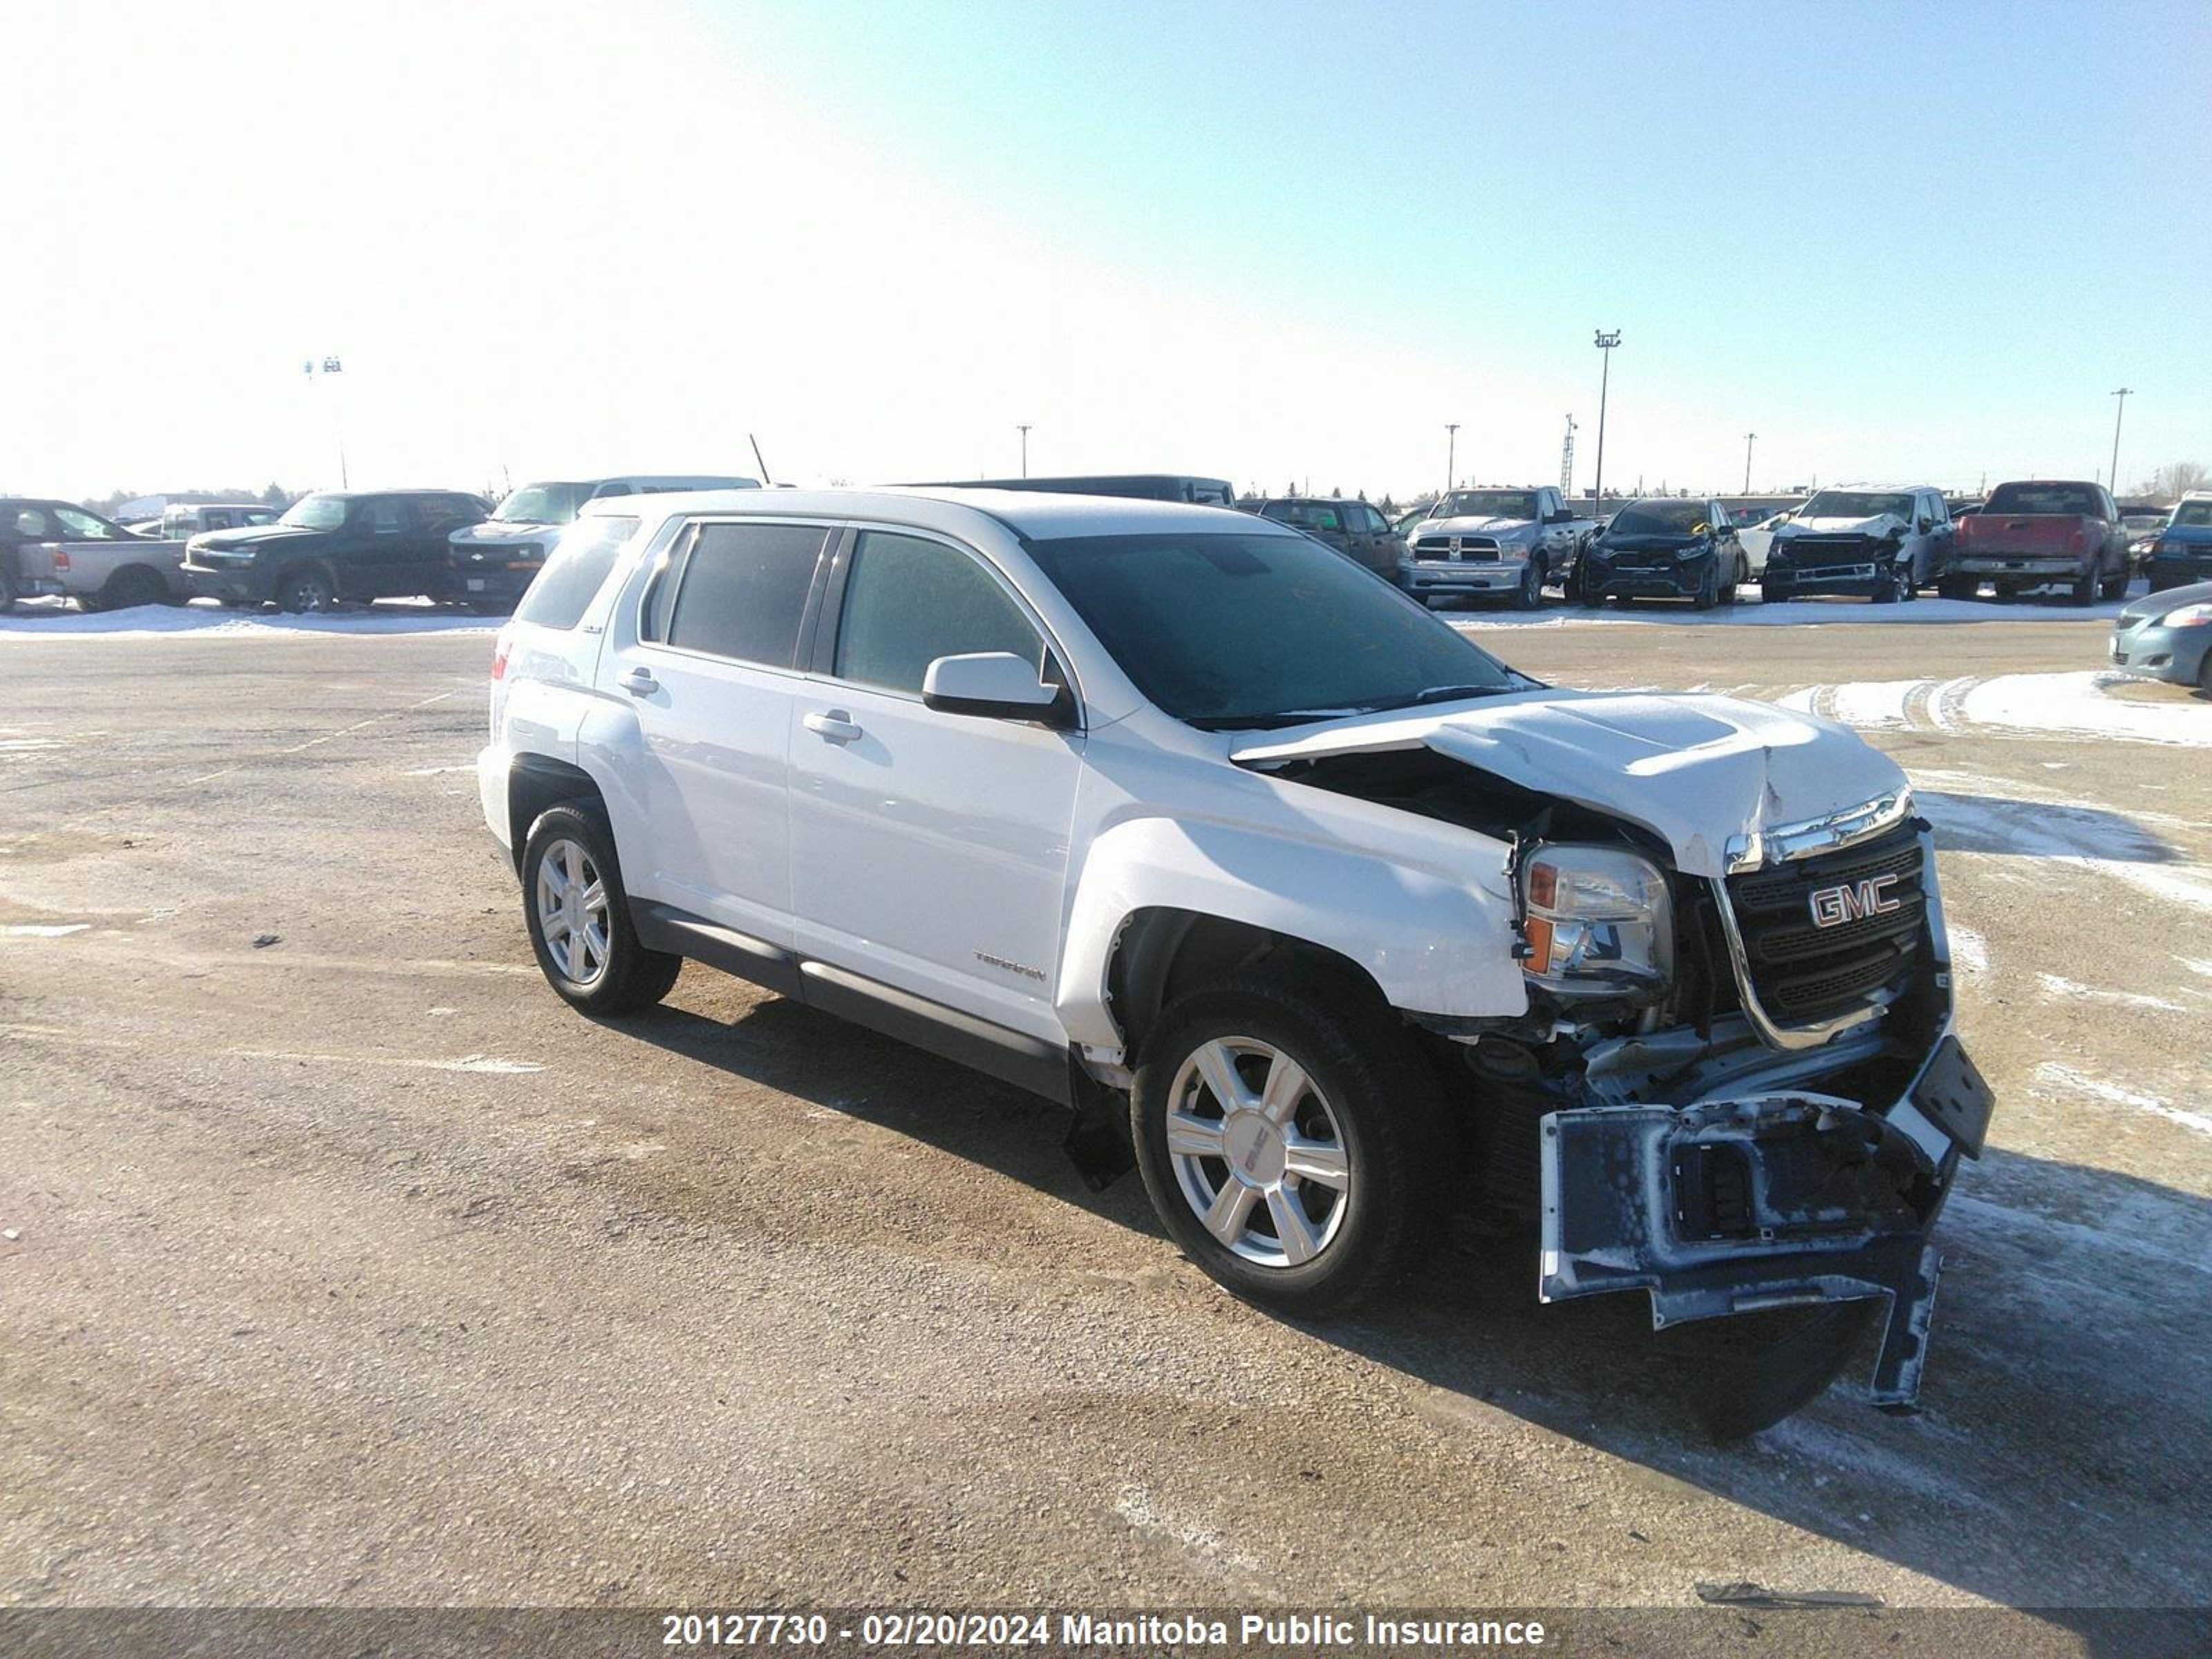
x,y
2073,1350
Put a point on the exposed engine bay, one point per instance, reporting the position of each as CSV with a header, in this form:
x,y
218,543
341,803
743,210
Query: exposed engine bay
x,y
1735,1092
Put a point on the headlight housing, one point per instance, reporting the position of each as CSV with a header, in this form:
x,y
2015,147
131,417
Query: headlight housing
x,y
2189,616
1599,922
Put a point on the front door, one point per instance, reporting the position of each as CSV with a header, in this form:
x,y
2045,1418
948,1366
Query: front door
x,y
929,850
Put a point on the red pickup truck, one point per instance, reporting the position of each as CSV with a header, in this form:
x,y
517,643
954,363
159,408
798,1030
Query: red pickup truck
x,y
2038,533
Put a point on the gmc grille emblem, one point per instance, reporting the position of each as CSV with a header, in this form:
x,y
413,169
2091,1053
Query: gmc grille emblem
x,y
1834,906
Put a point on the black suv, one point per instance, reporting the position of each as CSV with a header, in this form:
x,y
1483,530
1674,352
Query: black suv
x,y
1354,528
338,544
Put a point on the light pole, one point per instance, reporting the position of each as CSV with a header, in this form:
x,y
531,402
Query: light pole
x,y
1451,452
1749,439
331,366
1605,344
1023,428
2123,394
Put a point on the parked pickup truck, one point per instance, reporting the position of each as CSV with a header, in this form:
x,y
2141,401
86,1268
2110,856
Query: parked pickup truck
x,y
2035,534
1324,919
1508,542
53,547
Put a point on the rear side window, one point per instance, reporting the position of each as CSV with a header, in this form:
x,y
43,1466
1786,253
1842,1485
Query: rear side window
x,y
575,571
909,602
742,591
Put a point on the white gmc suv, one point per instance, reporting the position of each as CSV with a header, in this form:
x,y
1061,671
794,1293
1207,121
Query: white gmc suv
x,y
1334,922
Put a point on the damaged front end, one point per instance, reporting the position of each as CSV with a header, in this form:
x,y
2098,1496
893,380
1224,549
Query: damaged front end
x,y
1796,1150
1734,1086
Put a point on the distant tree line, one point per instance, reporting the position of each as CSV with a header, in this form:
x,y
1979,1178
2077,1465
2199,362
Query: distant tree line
x,y
271,494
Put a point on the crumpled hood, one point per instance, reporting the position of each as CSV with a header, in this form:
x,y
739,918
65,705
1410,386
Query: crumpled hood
x,y
1880,525
1695,770
1498,527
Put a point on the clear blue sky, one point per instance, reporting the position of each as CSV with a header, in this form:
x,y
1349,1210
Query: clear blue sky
x,y
1909,244
1932,237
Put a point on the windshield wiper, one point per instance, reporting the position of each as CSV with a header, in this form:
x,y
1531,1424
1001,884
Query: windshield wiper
x,y
1442,694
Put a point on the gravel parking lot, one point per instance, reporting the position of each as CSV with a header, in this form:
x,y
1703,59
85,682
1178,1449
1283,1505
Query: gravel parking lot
x,y
342,1262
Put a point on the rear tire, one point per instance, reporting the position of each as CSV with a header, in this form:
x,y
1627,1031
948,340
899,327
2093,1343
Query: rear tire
x,y
2084,591
1328,1168
132,586
1958,588
7,590
578,914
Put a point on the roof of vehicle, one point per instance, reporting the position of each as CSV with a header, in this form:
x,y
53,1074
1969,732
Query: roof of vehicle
x,y
2063,483
1030,514
1316,501
694,480
397,489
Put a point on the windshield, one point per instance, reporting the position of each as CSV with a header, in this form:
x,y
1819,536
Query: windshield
x,y
1659,519
316,513
2193,513
1857,504
1487,504
543,503
1234,631
2070,500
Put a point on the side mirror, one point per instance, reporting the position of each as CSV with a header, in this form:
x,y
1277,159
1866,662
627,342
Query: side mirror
x,y
1927,524
993,685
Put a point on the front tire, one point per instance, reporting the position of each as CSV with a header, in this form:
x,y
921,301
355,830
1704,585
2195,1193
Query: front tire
x,y
1709,585
578,914
1292,1139
7,590
1529,596
306,592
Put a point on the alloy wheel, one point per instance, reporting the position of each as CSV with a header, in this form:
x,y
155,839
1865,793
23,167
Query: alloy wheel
x,y
572,912
1257,1153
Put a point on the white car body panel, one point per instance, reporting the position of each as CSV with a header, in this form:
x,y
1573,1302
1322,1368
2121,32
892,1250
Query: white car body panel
x,y
1697,770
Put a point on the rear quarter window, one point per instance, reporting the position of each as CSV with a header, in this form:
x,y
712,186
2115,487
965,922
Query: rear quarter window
x,y
575,571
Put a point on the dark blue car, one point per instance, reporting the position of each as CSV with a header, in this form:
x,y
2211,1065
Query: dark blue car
x,y
2183,552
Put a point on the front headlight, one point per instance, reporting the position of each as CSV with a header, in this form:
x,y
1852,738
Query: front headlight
x,y
1598,921
2190,615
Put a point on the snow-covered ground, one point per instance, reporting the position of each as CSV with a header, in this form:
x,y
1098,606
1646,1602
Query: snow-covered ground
x,y
2089,702
57,619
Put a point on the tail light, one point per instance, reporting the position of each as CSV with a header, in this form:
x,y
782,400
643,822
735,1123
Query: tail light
x,y
2081,543
502,644
61,559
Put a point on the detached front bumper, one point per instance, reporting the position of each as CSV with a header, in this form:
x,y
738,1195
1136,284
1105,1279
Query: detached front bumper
x,y
1864,575
1790,1199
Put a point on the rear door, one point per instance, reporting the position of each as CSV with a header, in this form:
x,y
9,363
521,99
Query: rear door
x,y
929,850
699,666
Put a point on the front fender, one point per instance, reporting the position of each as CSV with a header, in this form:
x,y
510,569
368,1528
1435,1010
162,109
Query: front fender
x,y
1434,943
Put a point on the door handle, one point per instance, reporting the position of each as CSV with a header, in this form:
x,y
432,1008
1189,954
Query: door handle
x,y
640,683
835,726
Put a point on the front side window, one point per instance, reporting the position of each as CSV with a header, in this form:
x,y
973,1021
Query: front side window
x,y
909,601
575,570
380,515
743,591
1230,631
